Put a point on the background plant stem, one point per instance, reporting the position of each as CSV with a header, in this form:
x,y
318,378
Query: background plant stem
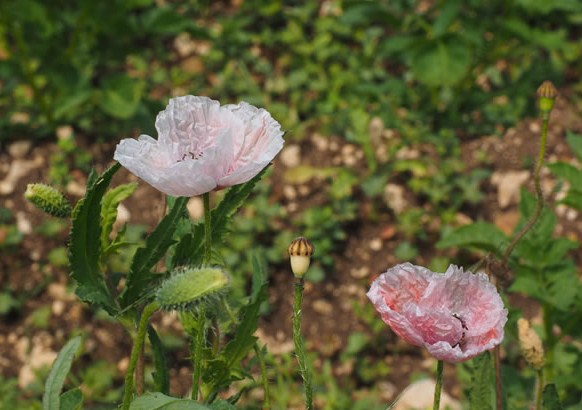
x,y
207,229
137,346
197,348
300,345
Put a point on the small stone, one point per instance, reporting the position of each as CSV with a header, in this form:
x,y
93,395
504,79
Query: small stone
x,y
75,188
19,149
23,224
360,273
508,184
322,307
420,395
18,169
394,198
289,192
291,156
195,208
376,244
320,142
58,307
64,132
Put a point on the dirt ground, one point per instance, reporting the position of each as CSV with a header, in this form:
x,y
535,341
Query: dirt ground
x,y
329,306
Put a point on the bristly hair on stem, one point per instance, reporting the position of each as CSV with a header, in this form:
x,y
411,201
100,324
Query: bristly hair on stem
x,y
300,345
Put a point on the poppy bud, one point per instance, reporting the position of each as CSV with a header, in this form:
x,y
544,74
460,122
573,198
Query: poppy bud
x,y
48,199
300,251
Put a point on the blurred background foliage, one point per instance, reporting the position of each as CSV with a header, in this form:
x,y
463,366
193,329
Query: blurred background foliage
x,y
434,73
108,67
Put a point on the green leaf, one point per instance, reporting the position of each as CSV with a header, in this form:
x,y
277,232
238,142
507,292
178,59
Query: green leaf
x,y
160,374
573,199
51,399
550,398
85,245
121,95
568,172
448,13
575,143
109,209
72,400
165,20
222,405
481,393
159,401
480,235
441,63
140,277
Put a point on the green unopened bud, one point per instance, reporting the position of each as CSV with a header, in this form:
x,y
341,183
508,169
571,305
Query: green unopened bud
x,y
191,286
300,251
48,199
547,94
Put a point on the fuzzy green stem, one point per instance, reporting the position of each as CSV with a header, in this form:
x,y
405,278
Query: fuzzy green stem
x,y
135,351
539,194
264,376
300,345
439,385
197,351
207,229
539,389
498,386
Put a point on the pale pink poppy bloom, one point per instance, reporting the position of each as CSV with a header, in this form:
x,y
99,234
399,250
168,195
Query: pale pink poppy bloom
x,y
203,146
455,315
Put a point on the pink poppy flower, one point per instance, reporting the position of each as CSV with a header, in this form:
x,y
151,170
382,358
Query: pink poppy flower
x,y
455,315
202,146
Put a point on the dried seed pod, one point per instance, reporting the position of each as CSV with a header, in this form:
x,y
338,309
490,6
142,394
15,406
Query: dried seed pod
x,y
530,344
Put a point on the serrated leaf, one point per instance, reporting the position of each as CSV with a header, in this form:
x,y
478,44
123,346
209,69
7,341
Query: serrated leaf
x,y
550,398
481,393
72,400
85,244
160,374
157,243
480,235
223,369
51,399
109,209
220,216
159,401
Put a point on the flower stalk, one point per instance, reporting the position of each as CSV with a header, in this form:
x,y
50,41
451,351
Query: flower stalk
x,y
300,344
439,385
147,313
197,349
300,252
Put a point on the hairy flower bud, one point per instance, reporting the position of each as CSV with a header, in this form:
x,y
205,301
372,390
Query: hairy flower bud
x,y
48,199
300,251
530,344
547,94
191,286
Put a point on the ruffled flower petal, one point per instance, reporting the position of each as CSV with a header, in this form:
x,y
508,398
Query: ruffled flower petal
x,y
203,146
455,315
